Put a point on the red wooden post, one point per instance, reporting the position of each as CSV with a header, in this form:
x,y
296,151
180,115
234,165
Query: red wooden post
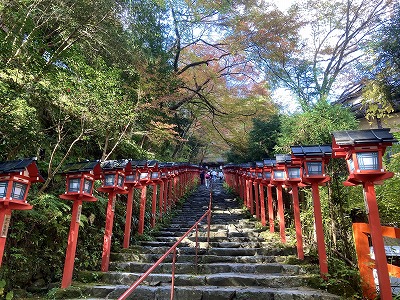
x,y
246,191
71,246
161,199
128,218
251,196
365,263
319,229
153,206
377,242
262,205
170,197
281,213
105,258
257,199
270,208
297,222
5,217
142,209
165,198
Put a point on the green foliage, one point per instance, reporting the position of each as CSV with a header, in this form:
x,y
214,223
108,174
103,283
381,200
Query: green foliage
x,y
262,140
388,193
342,280
314,126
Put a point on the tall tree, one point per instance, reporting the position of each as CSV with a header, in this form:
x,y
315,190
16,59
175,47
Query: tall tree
x,y
320,46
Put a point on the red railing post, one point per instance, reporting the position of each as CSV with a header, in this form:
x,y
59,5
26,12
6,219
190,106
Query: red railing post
x,y
173,275
197,245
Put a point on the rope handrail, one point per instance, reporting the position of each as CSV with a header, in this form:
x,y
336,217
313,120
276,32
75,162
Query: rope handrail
x,y
172,249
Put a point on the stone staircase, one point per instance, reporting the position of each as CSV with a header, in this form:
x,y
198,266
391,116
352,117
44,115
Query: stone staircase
x,y
237,263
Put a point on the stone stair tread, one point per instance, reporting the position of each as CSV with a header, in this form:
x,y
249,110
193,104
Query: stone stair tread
x,y
212,268
209,293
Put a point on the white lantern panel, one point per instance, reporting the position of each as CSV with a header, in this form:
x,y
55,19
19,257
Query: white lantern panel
x,y
3,189
87,186
109,180
279,174
294,172
74,184
314,168
368,160
18,191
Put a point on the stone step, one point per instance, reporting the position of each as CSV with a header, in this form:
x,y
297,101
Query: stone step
x,y
151,258
225,251
220,279
214,268
201,293
239,239
149,246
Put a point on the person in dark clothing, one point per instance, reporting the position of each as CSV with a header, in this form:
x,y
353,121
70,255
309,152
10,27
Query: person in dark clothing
x,y
202,176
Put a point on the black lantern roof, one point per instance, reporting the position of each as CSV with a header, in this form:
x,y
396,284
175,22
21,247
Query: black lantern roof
x,y
315,150
283,158
269,162
165,165
138,163
349,138
152,163
20,165
114,164
14,166
82,166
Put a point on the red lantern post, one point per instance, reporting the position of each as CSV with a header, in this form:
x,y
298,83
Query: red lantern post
x,y
154,180
144,177
165,177
313,159
293,178
278,180
250,189
259,189
113,184
15,180
267,173
80,177
363,151
131,182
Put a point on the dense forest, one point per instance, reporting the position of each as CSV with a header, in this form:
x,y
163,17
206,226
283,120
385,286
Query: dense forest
x,y
178,80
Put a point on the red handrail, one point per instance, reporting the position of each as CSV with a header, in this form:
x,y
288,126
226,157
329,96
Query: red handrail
x,y
173,249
